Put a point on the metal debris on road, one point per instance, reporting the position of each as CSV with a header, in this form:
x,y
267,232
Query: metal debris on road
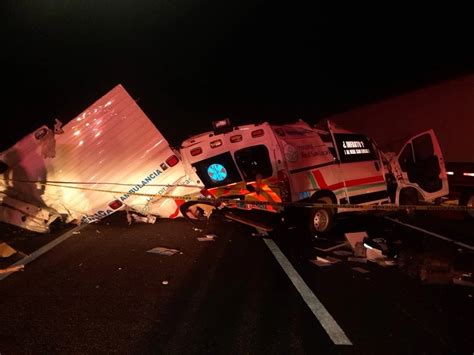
x,y
163,251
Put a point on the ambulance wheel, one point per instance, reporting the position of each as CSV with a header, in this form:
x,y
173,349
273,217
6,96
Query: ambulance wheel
x,y
321,219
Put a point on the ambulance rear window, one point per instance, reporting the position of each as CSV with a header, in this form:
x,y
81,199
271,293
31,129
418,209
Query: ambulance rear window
x,y
217,171
252,161
354,148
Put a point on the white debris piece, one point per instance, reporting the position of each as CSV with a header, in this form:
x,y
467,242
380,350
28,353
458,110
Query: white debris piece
x,y
354,238
163,251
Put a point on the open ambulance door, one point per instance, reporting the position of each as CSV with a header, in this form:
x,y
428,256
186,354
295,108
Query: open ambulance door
x,y
422,168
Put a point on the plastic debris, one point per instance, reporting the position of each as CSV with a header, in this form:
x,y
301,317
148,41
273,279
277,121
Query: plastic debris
x,y
76,232
163,251
164,282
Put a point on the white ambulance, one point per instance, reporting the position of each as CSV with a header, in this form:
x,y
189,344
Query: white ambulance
x,y
297,162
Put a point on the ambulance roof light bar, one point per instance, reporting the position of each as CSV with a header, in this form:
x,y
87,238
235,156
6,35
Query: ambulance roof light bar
x,y
222,126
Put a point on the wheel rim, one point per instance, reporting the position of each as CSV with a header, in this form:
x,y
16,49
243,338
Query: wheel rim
x,y
320,220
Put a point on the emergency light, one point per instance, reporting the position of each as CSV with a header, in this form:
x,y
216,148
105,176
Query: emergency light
x,y
221,126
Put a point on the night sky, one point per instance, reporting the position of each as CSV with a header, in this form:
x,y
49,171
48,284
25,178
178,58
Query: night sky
x,y
190,62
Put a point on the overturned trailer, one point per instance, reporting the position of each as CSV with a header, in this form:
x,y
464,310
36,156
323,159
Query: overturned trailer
x,y
109,156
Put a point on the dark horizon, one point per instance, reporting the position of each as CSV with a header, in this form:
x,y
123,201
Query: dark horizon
x,y
188,64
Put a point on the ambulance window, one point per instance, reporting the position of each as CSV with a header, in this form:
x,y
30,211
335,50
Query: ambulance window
x,y
406,157
252,161
217,171
354,148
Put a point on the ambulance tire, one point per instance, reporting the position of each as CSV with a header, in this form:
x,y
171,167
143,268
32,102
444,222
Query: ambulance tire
x,y
321,219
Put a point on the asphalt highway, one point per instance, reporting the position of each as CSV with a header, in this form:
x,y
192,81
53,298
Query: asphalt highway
x,y
101,291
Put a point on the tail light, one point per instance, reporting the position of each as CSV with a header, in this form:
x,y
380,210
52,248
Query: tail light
x,y
284,184
172,160
115,204
196,151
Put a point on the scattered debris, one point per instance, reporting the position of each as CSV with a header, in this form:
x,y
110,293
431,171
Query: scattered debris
x,y
163,251
325,261
208,238
6,250
320,263
197,229
332,248
139,218
354,238
12,269
359,250
361,270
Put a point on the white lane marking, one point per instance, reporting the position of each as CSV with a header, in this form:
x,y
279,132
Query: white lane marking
x,y
43,249
431,233
331,327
